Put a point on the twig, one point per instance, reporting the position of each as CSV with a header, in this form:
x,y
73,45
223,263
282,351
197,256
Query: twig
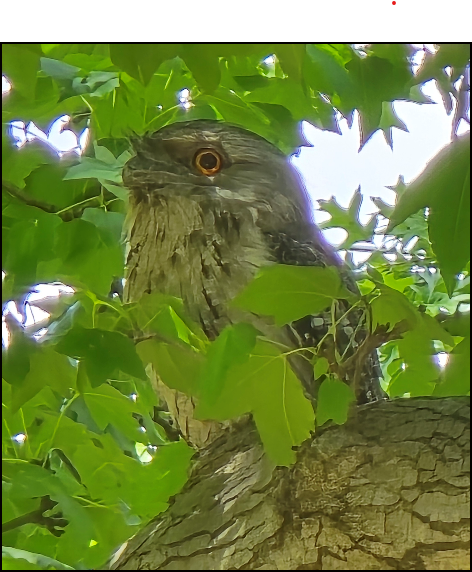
x,y
37,517
371,343
17,193
67,214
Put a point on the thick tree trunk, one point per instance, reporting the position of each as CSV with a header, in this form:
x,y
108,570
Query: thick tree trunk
x,y
387,491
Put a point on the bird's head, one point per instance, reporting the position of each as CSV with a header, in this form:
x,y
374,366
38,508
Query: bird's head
x,y
209,160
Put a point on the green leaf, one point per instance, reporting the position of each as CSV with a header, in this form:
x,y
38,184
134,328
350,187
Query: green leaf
x,y
110,475
95,78
202,60
29,243
178,367
283,415
16,359
47,368
29,481
419,371
235,109
384,208
230,348
11,556
47,185
348,219
9,563
94,168
116,113
266,386
161,95
93,535
121,193
457,325
392,281
287,93
324,70
57,69
376,80
334,399
108,406
291,292
103,352
86,255
251,82
436,331
291,57
287,135
456,377
444,186
141,61
21,63
109,222
19,163
392,307
321,367
449,221
454,55
388,120
165,315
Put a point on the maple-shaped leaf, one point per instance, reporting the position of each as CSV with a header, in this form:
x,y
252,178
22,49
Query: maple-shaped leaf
x,y
348,219
388,120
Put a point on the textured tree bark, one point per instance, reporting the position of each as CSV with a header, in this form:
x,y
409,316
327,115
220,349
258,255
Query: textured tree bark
x,y
387,491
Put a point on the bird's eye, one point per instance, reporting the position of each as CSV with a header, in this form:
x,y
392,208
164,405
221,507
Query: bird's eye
x,y
207,161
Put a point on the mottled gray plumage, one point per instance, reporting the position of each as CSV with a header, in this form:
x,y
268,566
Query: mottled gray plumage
x,y
203,238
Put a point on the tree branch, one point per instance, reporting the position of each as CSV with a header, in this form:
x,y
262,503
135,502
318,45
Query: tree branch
x,y
19,194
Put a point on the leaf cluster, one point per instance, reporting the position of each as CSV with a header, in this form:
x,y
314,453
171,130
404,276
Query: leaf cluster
x,y
89,454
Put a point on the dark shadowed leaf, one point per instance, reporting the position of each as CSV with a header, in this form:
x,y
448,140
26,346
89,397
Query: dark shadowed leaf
x,y
202,60
141,60
376,80
103,352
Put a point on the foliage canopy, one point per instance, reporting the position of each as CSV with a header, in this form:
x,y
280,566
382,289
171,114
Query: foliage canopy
x,y
86,460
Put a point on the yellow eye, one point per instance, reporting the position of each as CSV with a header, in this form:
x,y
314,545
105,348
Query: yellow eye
x,y
207,161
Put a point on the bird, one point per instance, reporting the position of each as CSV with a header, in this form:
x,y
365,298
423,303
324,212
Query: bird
x,y
211,204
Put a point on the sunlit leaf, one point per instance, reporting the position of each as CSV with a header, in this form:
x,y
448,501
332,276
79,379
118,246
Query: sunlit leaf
x,y
334,399
291,292
456,377
266,386
178,367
